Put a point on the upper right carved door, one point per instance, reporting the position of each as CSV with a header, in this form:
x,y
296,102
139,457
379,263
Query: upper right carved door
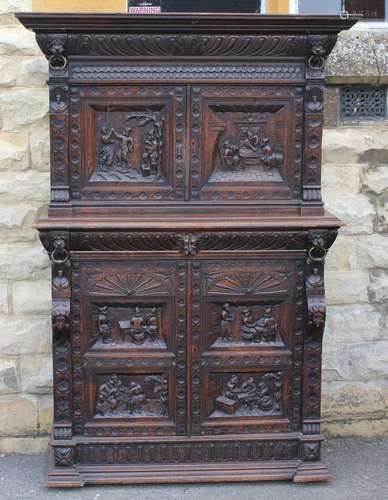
x,y
246,143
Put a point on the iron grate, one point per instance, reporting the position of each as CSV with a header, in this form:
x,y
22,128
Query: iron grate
x,y
363,101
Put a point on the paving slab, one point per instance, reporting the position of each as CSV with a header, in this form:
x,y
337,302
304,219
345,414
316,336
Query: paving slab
x,y
359,465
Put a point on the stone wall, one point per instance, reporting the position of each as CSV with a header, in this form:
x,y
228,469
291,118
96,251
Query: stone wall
x,y
355,174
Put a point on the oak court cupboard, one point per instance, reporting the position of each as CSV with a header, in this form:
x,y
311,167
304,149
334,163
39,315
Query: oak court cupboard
x,y
188,237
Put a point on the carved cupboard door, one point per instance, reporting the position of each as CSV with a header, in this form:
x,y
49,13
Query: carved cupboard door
x,y
130,351
247,345
128,143
246,143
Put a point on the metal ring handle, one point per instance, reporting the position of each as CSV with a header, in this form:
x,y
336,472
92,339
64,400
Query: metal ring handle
x,y
316,62
321,258
57,62
60,256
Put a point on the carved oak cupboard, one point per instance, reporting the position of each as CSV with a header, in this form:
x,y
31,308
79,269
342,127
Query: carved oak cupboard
x,y
187,237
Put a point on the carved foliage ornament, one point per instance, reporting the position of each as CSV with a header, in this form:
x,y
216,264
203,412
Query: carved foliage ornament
x,y
186,45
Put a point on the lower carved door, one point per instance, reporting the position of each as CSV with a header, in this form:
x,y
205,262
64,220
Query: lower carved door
x,y
132,346
187,347
247,345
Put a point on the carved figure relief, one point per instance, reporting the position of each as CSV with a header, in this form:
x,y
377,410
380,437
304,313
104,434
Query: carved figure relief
x,y
137,395
128,326
248,395
241,325
141,326
246,143
130,146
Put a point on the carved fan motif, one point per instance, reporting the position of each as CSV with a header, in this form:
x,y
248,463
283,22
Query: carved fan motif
x,y
245,283
128,284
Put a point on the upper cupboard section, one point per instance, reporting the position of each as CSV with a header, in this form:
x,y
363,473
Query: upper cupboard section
x,y
198,143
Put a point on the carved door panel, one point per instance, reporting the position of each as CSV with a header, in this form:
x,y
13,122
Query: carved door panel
x,y
132,344
247,345
246,143
128,143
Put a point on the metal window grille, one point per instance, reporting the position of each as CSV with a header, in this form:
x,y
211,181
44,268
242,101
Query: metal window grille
x,y
363,101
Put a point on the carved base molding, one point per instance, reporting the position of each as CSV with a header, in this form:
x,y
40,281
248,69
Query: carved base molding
x,y
268,458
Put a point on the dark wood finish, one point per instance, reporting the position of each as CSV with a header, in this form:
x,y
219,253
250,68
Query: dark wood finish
x,y
187,236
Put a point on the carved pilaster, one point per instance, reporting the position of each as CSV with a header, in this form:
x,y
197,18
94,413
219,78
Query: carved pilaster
x,y
319,48
59,135
57,244
320,241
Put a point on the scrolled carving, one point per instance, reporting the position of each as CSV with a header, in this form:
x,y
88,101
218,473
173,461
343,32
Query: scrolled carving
x,y
165,45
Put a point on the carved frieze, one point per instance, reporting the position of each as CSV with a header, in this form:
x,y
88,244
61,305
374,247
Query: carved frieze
x,y
197,45
89,72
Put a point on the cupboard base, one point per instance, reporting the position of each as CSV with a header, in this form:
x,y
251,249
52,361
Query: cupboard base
x,y
81,474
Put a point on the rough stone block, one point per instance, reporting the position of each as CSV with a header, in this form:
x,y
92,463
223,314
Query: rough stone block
x,y
28,186
36,374
30,335
15,217
375,180
342,255
15,40
24,445
353,400
353,59
10,6
3,300
369,361
378,289
45,414
356,211
18,416
335,362
22,261
353,324
381,51
32,72
8,376
31,297
341,181
346,287
7,72
14,151
40,147
371,251
23,108
361,144
382,214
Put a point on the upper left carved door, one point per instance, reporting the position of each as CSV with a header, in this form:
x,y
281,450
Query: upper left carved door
x,y
127,143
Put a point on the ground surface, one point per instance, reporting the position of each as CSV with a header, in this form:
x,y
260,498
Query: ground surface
x,y
360,467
